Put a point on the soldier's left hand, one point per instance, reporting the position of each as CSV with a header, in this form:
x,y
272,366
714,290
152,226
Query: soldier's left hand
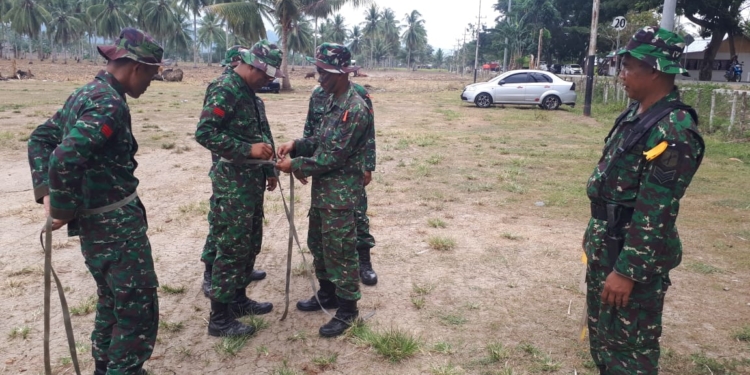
x,y
271,183
617,290
368,177
284,165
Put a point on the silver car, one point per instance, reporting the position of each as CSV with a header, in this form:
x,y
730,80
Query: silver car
x,y
532,87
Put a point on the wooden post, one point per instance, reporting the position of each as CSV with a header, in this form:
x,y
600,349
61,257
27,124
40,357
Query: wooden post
x,y
711,115
734,111
606,91
539,50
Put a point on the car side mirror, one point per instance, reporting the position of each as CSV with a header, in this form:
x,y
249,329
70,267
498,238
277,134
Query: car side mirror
x,y
502,82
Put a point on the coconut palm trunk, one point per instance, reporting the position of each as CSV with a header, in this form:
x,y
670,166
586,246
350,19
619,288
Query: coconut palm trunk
x,y
195,41
286,85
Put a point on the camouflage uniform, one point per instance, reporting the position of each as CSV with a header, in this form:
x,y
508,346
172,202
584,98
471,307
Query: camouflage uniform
x,y
233,119
84,158
335,158
625,340
316,110
231,59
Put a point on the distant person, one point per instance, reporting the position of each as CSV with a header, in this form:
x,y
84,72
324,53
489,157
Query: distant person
x,y
83,169
631,243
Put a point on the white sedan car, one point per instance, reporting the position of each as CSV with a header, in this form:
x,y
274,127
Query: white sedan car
x,y
532,87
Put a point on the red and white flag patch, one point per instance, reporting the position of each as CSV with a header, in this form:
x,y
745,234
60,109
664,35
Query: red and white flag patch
x,y
107,131
219,112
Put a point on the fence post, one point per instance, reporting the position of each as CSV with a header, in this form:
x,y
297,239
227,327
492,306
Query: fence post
x,y
734,110
606,92
711,116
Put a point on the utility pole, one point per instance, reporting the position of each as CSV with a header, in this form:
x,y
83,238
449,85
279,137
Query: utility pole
x,y
590,60
505,53
667,15
463,52
539,50
476,51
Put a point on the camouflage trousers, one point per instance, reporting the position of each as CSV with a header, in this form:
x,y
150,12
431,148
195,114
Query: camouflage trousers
x,y
364,239
127,311
332,239
235,229
624,340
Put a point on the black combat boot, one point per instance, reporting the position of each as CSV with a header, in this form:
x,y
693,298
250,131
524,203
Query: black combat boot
x,y
345,316
207,280
366,273
326,295
242,306
222,323
100,367
257,275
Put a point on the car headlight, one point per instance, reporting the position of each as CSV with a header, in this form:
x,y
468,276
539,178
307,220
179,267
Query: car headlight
x,y
469,89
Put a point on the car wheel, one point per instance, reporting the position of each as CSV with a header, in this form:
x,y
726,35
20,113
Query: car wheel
x,y
483,100
551,102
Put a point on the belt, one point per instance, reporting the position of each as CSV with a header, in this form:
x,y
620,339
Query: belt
x,y
109,207
599,212
249,161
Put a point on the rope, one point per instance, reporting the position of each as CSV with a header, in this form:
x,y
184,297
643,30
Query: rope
x,y
48,270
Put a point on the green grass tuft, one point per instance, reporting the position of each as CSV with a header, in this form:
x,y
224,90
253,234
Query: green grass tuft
x,y
441,243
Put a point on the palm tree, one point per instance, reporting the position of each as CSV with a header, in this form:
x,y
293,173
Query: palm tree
x,y
179,42
245,17
110,17
300,37
337,31
26,17
439,58
211,32
194,7
370,26
414,35
355,40
380,48
389,28
158,18
66,24
324,8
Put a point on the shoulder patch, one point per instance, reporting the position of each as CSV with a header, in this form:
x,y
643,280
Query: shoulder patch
x,y
107,131
218,112
666,165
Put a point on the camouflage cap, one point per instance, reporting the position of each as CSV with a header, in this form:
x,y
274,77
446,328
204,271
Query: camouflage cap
x,y
136,45
333,58
264,56
232,56
659,48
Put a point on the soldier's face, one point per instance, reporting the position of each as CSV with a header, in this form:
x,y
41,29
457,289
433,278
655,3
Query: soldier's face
x,y
256,78
637,77
328,81
140,78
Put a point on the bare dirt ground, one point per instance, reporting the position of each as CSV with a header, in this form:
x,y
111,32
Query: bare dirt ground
x,y
470,266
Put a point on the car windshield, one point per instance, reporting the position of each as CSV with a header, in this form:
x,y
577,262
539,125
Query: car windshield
x,y
575,66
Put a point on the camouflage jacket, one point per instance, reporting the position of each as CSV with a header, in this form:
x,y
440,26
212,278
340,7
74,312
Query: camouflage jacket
x,y
233,118
335,156
84,158
652,188
316,109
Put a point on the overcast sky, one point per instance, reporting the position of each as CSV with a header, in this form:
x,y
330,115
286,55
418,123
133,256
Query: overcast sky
x,y
445,21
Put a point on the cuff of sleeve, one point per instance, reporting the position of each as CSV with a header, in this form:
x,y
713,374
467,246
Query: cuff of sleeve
x,y
40,192
296,165
627,270
60,214
293,153
369,169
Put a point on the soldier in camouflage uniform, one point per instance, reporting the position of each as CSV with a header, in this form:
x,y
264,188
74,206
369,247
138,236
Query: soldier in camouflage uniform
x,y
231,60
365,241
82,160
233,125
335,158
631,241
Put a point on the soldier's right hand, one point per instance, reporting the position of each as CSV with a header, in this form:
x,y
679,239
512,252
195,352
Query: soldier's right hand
x,y
261,151
56,223
285,149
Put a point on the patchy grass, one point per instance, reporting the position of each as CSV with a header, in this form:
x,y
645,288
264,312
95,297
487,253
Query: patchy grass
x,y
446,369
436,223
496,352
84,307
422,290
742,334
393,344
326,362
441,243
169,289
703,268
171,327
230,346
19,332
452,319
442,347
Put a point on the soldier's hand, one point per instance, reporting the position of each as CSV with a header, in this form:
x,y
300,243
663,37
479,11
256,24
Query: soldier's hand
x,y
302,179
261,151
56,223
284,165
617,290
285,149
271,183
368,177
46,205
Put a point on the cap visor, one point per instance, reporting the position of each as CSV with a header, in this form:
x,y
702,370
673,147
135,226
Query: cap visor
x,y
336,70
108,52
